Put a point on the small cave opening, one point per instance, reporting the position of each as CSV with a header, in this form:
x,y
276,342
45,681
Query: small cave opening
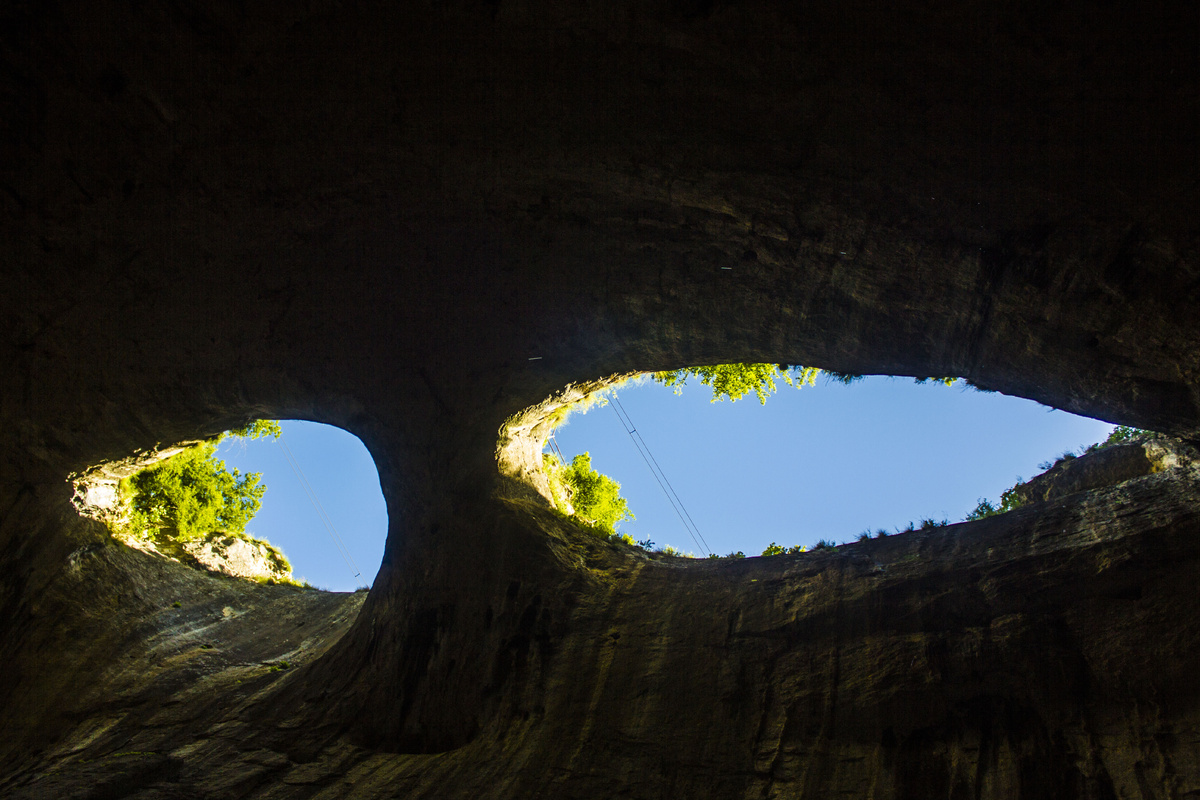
x,y
324,507
844,458
277,502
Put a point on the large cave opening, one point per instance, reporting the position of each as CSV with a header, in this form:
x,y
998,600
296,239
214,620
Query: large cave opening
x,y
829,464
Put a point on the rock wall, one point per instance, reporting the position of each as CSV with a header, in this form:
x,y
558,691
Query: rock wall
x,y
416,220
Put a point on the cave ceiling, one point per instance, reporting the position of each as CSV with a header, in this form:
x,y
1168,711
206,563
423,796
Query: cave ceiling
x,y
417,220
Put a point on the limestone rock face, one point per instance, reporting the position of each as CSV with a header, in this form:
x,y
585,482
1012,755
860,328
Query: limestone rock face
x,y
239,557
1106,467
421,221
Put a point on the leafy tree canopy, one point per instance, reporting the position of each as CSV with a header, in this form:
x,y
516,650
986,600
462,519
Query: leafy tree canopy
x,y
193,493
735,381
1009,499
596,498
256,430
738,380
1122,434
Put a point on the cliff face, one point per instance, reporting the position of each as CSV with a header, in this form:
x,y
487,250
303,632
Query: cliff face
x,y
415,221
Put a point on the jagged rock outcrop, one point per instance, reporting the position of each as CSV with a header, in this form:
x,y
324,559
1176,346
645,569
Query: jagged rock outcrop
x,y
416,220
240,556
1106,467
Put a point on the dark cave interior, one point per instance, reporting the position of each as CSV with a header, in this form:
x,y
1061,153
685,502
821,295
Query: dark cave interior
x,y
375,215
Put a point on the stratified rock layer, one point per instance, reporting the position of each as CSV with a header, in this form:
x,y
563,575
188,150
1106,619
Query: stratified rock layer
x,y
416,220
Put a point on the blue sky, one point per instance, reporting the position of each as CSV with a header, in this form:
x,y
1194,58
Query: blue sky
x,y
823,462
342,474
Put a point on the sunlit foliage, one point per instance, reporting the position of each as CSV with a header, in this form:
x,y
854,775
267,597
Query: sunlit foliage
x,y
1011,499
734,381
193,493
596,498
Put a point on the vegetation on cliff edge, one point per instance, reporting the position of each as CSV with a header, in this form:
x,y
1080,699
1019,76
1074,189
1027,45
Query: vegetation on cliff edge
x,y
193,496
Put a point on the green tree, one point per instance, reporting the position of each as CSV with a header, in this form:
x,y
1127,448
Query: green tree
x,y
738,380
1009,499
735,381
779,550
1122,434
596,498
256,430
193,493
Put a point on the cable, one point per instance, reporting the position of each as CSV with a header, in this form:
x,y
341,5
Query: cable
x,y
644,451
321,515
659,476
695,527
554,447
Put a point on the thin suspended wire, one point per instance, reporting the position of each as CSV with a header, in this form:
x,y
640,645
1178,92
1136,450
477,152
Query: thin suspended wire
x,y
321,513
644,451
652,472
695,527
554,447
312,496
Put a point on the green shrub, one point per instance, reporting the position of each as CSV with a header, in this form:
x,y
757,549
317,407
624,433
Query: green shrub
x,y
844,378
193,493
256,430
596,498
777,550
1122,434
735,381
1009,499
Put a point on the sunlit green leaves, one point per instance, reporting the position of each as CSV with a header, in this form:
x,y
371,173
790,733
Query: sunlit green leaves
x,y
257,430
735,381
194,493
596,498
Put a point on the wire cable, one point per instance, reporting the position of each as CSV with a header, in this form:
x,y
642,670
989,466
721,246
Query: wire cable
x,y
321,515
556,449
695,527
644,451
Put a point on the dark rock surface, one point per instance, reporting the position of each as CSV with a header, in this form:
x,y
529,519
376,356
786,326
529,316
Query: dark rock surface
x,y
376,214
